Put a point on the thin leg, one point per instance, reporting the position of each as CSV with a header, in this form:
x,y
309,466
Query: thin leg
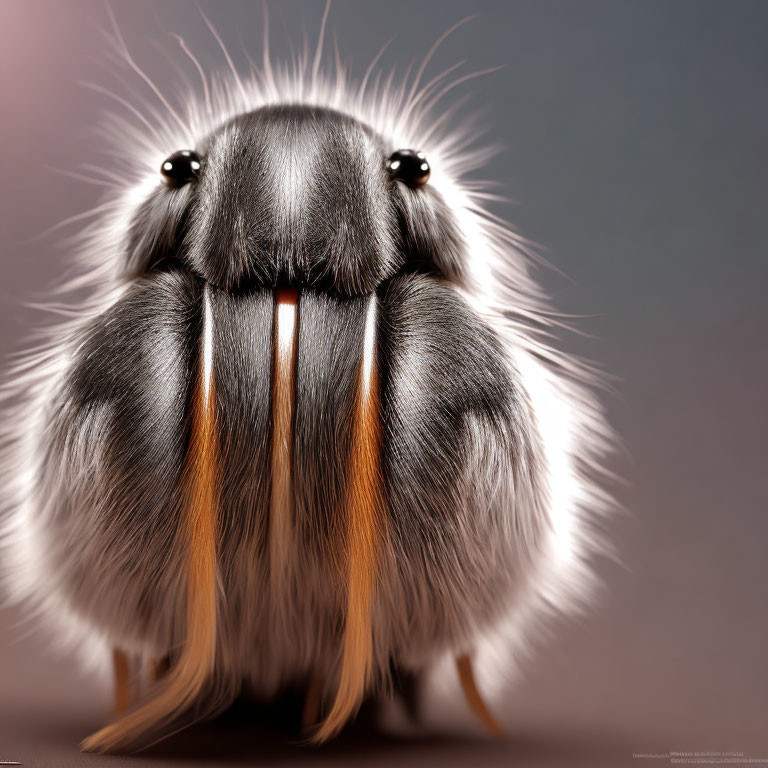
x,y
159,668
123,683
311,713
408,688
474,699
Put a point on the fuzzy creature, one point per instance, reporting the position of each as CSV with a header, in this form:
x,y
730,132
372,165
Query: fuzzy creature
x,y
307,428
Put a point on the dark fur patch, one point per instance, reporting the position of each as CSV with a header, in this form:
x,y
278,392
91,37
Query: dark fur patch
x,y
118,437
242,361
329,353
442,365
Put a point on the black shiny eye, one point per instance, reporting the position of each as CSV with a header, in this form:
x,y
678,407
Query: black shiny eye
x,y
181,167
409,166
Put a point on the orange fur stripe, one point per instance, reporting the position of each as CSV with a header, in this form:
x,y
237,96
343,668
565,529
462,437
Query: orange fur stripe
x,y
184,682
472,694
283,396
364,521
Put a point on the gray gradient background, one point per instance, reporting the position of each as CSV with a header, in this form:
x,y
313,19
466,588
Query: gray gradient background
x,y
635,147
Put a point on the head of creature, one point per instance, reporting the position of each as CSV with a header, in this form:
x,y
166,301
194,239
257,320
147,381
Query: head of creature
x,y
295,196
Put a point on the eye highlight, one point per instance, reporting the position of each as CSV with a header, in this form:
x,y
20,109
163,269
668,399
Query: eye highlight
x,y
409,166
181,167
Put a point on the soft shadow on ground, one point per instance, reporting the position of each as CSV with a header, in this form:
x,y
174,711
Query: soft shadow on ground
x,y
249,734
45,734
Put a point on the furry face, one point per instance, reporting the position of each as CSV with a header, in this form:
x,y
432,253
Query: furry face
x,y
306,431
298,196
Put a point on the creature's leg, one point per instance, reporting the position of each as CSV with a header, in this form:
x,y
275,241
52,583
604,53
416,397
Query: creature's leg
x,y
311,713
159,668
474,699
123,683
408,688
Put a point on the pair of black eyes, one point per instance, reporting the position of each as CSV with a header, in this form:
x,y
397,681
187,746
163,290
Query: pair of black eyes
x,y
406,165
